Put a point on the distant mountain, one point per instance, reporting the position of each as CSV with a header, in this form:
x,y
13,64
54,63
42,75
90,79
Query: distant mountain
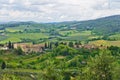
x,y
15,24
106,25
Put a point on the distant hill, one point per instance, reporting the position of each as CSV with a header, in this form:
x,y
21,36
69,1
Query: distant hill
x,y
102,26
106,25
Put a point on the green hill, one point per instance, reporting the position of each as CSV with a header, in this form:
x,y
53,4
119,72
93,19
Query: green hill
x,y
105,27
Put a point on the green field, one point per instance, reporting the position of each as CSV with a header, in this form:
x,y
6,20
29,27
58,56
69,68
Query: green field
x,y
69,35
81,35
16,37
115,37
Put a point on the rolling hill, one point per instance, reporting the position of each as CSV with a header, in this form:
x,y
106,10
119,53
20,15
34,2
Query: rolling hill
x,y
106,25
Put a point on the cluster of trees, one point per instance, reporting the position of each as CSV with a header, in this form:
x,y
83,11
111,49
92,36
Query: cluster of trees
x,y
51,45
82,64
10,45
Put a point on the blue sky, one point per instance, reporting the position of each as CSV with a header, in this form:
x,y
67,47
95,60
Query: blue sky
x,y
56,10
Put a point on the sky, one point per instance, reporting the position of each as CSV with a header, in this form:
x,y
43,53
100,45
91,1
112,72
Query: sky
x,y
57,10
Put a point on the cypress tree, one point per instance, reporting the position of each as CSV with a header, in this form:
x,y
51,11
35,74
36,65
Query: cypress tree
x,y
9,45
46,45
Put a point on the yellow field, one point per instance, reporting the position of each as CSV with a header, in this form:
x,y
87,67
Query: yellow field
x,y
105,43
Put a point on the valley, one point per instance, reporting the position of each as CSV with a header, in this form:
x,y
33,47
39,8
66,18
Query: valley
x,y
73,50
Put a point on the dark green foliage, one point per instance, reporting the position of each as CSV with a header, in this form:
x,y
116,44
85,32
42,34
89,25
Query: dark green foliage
x,y
71,44
3,66
33,42
10,45
66,76
56,44
19,51
64,50
50,74
62,43
46,45
114,50
50,45
100,67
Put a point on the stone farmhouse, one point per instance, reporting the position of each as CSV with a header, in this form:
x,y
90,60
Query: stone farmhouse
x,y
27,48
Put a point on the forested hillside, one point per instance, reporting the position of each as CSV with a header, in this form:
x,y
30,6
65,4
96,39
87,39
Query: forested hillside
x,y
107,25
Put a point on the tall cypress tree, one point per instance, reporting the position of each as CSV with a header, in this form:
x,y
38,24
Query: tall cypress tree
x,y
50,46
9,45
46,45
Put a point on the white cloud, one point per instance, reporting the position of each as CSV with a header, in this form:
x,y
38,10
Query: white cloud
x,y
56,10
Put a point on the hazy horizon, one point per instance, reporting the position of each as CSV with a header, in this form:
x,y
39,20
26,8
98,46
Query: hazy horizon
x,y
57,11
